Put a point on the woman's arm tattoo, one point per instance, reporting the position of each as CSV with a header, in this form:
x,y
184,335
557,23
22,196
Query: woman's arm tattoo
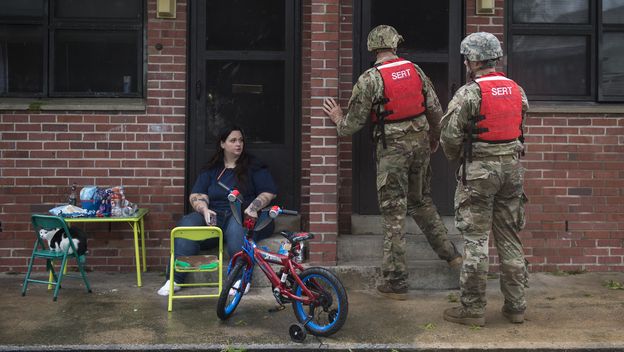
x,y
199,202
261,201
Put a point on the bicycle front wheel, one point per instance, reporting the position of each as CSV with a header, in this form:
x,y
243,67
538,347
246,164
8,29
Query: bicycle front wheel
x,y
326,315
232,291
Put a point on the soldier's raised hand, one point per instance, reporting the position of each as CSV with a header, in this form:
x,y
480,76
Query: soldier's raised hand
x,y
333,110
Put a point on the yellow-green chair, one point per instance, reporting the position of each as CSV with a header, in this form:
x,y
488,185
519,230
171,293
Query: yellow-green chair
x,y
41,251
196,263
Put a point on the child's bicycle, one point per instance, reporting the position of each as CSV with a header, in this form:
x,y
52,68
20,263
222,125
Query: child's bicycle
x,y
318,298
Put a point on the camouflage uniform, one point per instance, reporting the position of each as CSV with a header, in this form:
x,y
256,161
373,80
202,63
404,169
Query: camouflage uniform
x,y
491,200
403,171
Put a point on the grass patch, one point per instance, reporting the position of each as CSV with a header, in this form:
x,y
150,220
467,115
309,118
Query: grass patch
x,y
613,285
229,348
453,297
429,326
475,327
240,323
35,106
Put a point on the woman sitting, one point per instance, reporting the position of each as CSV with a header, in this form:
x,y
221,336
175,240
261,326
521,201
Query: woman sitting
x,y
235,168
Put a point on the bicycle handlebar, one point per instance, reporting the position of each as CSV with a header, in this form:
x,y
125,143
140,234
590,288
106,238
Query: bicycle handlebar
x,y
234,195
290,212
276,210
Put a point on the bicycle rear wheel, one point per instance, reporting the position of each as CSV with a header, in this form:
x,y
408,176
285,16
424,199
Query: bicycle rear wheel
x,y
231,296
328,313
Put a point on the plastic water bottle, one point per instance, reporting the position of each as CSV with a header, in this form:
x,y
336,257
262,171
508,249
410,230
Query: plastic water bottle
x,y
72,195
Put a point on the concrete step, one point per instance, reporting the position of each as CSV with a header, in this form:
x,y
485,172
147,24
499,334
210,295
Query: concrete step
x,y
288,223
360,254
423,275
362,249
372,224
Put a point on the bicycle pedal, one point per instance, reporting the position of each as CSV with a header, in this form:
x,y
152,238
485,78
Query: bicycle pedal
x,y
277,309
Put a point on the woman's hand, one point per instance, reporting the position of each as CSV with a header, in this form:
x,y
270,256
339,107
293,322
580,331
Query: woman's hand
x,y
199,202
210,216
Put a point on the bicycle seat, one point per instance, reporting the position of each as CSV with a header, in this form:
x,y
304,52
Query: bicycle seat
x,y
294,237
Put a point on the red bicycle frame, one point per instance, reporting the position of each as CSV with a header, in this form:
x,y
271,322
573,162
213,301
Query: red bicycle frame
x,y
263,258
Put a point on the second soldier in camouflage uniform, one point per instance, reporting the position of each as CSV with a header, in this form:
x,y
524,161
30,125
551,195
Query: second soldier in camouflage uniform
x,y
402,153
489,197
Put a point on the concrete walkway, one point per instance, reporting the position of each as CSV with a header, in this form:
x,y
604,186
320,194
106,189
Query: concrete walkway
x,y
565,313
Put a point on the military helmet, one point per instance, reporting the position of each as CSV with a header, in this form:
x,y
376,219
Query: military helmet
x,y
481,46
383,37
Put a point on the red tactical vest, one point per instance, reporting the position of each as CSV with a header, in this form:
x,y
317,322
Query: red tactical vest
x,y
500,117
403,98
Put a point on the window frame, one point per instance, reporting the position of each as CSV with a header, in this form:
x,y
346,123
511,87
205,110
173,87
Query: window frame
x,y
609,28
51,24
593,31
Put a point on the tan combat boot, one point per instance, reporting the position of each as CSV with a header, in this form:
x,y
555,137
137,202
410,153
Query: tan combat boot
x,y
396,291
461,316
456,259
516,317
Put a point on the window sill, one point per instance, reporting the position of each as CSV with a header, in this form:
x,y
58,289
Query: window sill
x,y
575,108
73,104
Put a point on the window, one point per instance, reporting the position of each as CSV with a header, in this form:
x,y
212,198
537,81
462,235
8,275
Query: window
x,y
567,49
71,48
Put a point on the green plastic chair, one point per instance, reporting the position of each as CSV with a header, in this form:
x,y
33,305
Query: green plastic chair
x,y
42,251
196,263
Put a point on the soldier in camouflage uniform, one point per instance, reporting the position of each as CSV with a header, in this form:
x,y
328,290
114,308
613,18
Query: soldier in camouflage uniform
x,y
489,196
402,154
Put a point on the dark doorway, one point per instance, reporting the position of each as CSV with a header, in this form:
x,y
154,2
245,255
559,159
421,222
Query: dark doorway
x,y
432,32
244,68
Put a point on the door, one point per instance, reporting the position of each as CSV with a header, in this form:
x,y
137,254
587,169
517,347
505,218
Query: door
x,y
432,31
244,71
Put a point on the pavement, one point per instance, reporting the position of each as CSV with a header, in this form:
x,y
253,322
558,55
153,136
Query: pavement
x,y
565,312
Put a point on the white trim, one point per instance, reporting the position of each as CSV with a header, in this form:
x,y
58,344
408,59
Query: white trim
x,y
496,78
397,63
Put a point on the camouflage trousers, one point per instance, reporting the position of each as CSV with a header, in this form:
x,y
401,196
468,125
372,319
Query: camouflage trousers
x,y
492,201
403,187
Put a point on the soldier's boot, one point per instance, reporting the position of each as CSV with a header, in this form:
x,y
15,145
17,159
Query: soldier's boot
x,y
456,259
516,317
394,290
459,315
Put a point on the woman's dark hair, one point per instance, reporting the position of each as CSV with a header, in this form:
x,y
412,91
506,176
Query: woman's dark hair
x,y
242,164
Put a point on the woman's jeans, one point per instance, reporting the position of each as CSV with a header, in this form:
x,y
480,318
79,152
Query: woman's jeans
x,y
232,235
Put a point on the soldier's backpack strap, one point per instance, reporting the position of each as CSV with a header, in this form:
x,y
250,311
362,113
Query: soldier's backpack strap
x,y
381,120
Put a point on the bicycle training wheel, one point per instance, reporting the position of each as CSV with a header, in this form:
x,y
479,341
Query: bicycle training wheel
x,y
232,292
326,315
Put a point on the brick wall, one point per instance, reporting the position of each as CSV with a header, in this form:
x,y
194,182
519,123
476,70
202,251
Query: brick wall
x,y
575,216
321,62
575,186
345,155
44,152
